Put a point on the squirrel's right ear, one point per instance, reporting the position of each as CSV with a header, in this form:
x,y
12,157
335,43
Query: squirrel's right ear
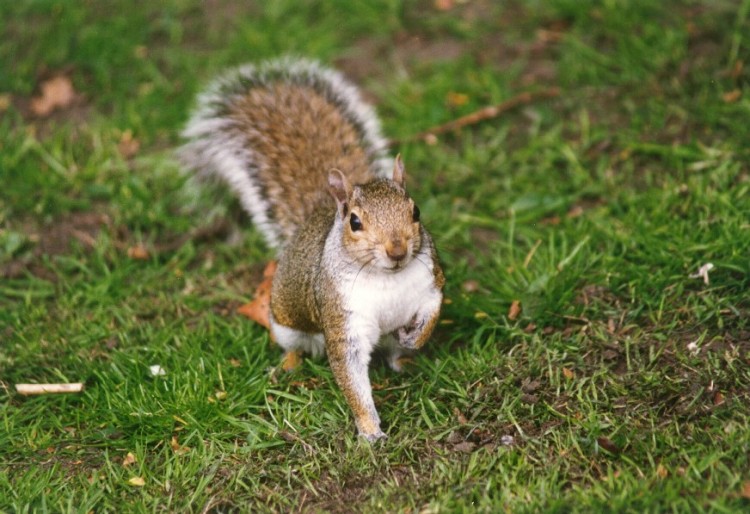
x,y
340,190
398,171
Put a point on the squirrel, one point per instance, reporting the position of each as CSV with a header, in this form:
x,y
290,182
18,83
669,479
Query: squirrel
x,y
356,268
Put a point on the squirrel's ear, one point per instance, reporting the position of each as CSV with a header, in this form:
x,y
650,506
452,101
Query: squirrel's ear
x,y
398,171
340,190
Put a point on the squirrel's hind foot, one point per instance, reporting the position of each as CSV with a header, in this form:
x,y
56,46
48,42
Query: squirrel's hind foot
x,y
291,360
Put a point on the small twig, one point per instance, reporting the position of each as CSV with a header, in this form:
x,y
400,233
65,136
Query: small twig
x,y
30,389
291,437
483,114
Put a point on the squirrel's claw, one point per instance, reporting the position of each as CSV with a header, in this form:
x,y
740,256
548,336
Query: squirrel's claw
x,y
407,336
371,438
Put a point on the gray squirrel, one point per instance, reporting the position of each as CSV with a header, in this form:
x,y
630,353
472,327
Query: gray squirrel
x,y
357,269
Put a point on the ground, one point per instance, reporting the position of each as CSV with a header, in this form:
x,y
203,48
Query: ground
x,y
583,362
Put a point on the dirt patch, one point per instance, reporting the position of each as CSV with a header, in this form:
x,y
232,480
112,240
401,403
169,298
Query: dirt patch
x,y
54,239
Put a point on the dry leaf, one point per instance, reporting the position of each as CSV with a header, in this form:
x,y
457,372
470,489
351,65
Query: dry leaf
x,y
718,398
459,416
607,444
4,102
137,482
456,99
515,310
235,363
574,212
258,310
732,96
444,5
568,373
138,252
128,460
56,92
661,471
220,395
270,269
128,145
176,447
745,492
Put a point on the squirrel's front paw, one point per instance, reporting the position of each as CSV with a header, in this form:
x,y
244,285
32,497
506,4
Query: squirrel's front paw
x,y
408,334
407,337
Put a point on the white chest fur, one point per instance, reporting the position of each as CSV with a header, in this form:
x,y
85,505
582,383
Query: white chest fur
x,y
388,301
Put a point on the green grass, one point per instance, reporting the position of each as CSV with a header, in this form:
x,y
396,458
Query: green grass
x,y
592,210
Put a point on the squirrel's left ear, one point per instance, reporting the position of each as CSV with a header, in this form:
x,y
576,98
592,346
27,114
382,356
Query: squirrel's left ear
x,y
398,171
340,190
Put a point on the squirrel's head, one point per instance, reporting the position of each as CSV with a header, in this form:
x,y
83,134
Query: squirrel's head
x,y
380,222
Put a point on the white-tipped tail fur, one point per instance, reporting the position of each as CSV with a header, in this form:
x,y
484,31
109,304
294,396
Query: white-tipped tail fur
x,y
215,146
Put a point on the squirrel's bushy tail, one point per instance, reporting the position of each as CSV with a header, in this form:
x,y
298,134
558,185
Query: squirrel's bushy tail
x,y
274,131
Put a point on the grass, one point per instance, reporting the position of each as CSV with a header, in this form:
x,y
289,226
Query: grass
x,y
622,385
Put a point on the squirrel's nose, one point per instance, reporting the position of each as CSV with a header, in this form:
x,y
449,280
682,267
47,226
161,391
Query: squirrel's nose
x,y
396,251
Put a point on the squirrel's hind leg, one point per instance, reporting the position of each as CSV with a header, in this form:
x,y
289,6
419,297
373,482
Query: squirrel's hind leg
x,y
295,343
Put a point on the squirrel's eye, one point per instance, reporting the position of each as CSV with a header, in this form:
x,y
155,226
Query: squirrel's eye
x,y
415,214
355,222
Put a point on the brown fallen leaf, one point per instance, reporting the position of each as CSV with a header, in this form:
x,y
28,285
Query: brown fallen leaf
x,y
459,416
661,471
515,310
57,92
444,5
454,99
259,308
138,252
137,481
128,145
574,212
176,447
608,445
568,373
128,460
235,363
732,96
745,491
4,102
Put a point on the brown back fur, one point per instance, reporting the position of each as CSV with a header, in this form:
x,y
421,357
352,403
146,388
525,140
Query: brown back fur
x,y
298,136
